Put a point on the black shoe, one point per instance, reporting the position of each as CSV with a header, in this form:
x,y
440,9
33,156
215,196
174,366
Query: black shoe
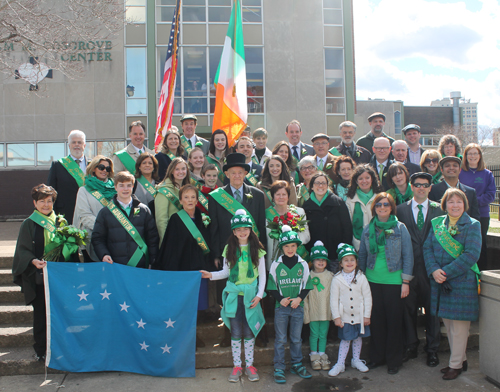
x,y
393,370
432,359
373,365
259,342
410,353
39,358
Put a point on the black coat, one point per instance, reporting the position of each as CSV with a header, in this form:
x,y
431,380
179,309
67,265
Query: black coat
x,y
438,190
412,168
374,164
329,223
364,154
220,227
66,187
179,251
110,238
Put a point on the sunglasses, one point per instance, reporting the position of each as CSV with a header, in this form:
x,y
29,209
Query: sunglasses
x,y
421,185
102,167
433,160
386,204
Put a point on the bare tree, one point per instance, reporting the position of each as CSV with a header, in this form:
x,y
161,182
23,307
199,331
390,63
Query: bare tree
x,y
51,31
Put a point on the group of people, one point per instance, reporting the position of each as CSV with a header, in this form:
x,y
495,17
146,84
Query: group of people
x,y
326,231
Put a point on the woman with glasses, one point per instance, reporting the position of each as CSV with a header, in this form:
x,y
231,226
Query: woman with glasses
x,y
171,148
329,220
98,190
429,162
449,146
343,168
475,175
275,169
398,180
386,257
307,168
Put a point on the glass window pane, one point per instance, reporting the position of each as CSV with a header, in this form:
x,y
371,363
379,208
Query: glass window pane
x,y
165,2
2,146
136,71
177,106
137,106
21,154
255,71
255,105
162,55
49,152
193,14
108,148
219,2
219,14
335,105
90,150
252,2
135,2
194,2
164,14
136,14
332,3
214,59
195,71
334,72
333,17
252,14
195,105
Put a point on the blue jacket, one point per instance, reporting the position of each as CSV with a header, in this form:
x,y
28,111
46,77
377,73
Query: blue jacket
x,y
462,303
398,251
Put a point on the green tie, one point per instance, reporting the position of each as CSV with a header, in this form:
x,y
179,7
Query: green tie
x,y
380,171
140,152
237,195
320,164
420,218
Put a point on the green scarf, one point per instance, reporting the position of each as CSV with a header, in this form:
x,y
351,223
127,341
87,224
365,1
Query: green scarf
x,y
245,256
375,223
105,188
314,198
400,199
357,216
436,178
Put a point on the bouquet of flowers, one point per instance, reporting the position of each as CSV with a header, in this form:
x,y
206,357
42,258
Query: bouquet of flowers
x,y
67,239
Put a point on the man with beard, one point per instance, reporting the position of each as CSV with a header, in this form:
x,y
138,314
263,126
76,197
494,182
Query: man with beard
x,y
348,147
377,122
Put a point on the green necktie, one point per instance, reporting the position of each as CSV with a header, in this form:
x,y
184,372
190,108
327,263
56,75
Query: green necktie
x,y
380,171
237,195
420,218
320,164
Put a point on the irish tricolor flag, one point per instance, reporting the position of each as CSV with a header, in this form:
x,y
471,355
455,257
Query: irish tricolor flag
x,y
231,82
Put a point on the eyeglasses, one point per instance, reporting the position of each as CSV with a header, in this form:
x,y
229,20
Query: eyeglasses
x,y
381,148
420,185
306,168
433,160
320,183
103,167
386,204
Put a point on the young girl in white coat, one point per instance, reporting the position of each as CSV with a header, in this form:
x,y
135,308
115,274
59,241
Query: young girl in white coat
x,y
351,305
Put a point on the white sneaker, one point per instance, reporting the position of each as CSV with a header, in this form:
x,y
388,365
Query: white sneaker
x,y
337,369
360,365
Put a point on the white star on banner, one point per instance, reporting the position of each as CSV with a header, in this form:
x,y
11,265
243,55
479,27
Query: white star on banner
x,y
169,323
166,349
144,346
141,324
105,295
83,296
124,307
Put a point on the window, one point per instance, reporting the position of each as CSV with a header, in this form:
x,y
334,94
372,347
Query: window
x,y
334,80
195,79
2,155
46,153
135,11
332,12
21,154
255,79
136,81
397,122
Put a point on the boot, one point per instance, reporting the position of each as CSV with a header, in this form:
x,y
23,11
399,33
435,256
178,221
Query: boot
x,y
315,362
325,363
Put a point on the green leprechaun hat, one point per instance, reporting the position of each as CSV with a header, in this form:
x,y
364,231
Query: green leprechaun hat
x,y
346,250
318,251
288,236
241,219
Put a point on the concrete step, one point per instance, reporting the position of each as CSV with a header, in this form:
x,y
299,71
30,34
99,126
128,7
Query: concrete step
x,y
16,314
16,335
5,277
11,295
6,261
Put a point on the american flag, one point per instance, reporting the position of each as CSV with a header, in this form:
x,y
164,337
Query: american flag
x,y
166,103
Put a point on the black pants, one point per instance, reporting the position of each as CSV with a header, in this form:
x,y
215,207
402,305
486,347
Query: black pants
x,y
386,343
420,297
482,263
39,322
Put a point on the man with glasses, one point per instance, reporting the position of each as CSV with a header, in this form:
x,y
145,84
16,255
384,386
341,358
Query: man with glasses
x,y
66,175
348,147
377,122
124,160
400,154
417,214
324,160
412,137
380,160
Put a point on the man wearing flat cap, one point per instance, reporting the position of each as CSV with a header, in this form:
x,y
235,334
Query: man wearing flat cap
x,y
377,122
324,160
417,214
189,138
450,168
348,147
412,138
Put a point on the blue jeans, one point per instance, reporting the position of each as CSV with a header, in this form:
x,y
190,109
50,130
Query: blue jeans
x,y
282,316
239,324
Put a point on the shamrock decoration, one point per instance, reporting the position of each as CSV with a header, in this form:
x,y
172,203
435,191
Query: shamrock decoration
x,y
304,151
136,211
249,196
358,154
433,204
388,232
328,167
198,144
205,219
453,230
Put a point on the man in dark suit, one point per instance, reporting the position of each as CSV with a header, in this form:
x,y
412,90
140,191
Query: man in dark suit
x,y
417,214
348,147
189,138
300,150
400,154
324,160
245,146
412,137
66,175
380,160
450,167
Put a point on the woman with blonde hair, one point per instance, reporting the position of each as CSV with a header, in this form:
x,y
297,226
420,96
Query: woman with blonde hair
x,y
429,163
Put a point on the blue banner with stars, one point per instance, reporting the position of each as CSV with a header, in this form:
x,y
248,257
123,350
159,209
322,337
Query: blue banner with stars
x,y
112,317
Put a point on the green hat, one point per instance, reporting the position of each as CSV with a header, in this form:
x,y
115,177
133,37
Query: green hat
x,y
346,250
189,117
318,251
288,236
241,219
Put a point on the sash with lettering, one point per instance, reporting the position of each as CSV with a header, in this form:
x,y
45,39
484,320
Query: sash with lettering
x,y
185,144
230,204
147,185
251,178
186,219
142,248
448,243
201,197
127,160
42,220
73,169
100,198
222,176
271,213
304,193
170,196
267,192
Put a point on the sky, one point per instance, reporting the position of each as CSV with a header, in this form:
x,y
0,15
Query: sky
x,y
420,50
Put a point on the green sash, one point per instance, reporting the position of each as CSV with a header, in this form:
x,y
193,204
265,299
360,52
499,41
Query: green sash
x,y
222,176
185,144
186,219
335,152
42,220
170,155
304,193
267,192
147,185
142,248
100,198
201,197
126,160
448,243
231,205
301,250
255,159
251,178
170,196
73,169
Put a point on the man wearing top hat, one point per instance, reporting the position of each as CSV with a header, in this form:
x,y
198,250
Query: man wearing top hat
x,y
189,138
412,138
417,214
324,159
377,122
